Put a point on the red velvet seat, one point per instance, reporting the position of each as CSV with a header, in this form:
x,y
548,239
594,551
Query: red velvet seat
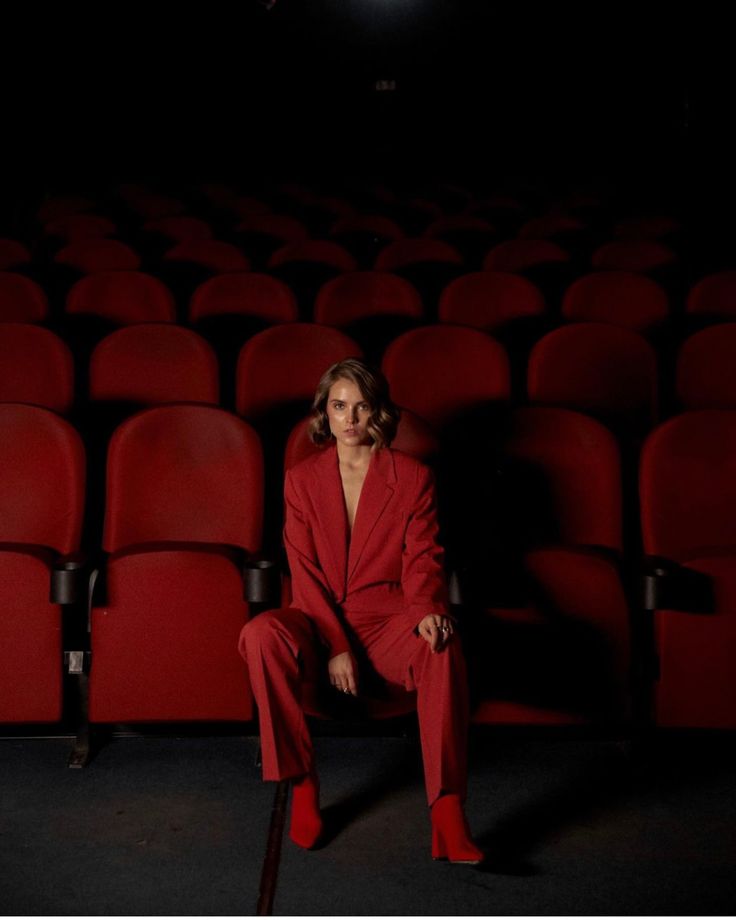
x,y
706,369
91,255
184,506
602,370
654,227
633,256
179,228
215,256
443,372
41,499
152,364
365,295
73,227
550,643
250,294
122,298
62,206
36,367
406,252
21,299
321,252
489,300
620,297
149,204
364,235
688,515
713,296
13,255
522,254
550,227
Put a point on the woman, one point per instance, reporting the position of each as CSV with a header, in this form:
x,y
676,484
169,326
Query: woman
x,y
366,568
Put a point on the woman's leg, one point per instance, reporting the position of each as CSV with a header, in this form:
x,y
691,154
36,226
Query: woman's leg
x,y
279,647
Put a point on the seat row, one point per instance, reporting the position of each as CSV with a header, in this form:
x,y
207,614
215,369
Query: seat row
x,y
531,514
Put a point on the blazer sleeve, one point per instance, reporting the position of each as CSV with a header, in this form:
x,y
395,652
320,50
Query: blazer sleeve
x,y
310,591
423,578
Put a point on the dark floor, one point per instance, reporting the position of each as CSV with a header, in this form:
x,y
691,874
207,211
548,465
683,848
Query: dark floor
x,y
179,826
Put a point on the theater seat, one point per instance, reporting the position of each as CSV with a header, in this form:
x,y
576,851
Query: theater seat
x,y
21,299
184,510
706,369
95,254
688,515
36,367
41,499
622,298
713,297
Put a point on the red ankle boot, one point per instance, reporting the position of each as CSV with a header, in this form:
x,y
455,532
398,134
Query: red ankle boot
x,y
450,833
306,821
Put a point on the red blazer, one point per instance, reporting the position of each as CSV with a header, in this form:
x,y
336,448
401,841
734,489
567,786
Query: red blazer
x,y
392,563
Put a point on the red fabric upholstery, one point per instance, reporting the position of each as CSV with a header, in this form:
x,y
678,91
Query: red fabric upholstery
x,y
288,229
688,507
706,369
454,223
179,228
322,251
74,227
242,205
149,204
214,255
184,487
619,297
153,364
362,294
645,228
13,254
187,473
440,372
36,367
374,224
92,255
632,256
596,368
283,365
549,226
715,295
518,255
487,300
122,298
562,656
61,206
21,299
404,252
41,501
246,294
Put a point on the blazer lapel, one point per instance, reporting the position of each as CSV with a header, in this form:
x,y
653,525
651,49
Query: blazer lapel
x,y
378,488
332,516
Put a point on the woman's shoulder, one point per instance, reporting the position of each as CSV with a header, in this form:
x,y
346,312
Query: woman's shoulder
x,y
310,465
407,465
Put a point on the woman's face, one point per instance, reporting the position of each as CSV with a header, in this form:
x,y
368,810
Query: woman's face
x,y
348,414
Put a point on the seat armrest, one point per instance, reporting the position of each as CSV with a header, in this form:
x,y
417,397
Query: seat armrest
x,y
667,585
69,578
261,581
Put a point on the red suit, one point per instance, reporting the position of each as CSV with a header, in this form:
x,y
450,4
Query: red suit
x,y
377,585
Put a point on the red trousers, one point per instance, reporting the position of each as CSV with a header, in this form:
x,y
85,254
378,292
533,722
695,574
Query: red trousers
x,y
280,647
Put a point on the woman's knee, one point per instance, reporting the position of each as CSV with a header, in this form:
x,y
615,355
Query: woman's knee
x,y
261,632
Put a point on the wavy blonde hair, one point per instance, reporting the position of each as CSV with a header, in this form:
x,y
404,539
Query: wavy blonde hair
x,y
373,387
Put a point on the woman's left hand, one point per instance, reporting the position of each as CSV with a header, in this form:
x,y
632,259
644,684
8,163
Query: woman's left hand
x,y
437,630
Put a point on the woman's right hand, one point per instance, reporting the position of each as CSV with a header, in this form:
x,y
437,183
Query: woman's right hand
x,y
344,673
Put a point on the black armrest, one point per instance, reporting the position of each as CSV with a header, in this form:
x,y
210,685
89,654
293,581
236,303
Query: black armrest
x,y
667,585
68,575
261,581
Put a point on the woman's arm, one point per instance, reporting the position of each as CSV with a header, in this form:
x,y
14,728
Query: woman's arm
x,y
310,592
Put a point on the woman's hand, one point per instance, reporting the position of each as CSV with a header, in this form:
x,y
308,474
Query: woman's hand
x,y
344,673
437,630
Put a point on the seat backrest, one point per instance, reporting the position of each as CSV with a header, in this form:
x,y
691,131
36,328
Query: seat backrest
x,y
151,364
364,294
21,299
281,366
179,228
442,372
13,254
549,226
568,464
487,300
42,478
93,254
687,483
123,298
715,295
705,377
519,255
80,227
244,294
322,252
632,256
377,225
413,436
184,473
597,368
623,298
217,256
36,367
280,226
405,252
